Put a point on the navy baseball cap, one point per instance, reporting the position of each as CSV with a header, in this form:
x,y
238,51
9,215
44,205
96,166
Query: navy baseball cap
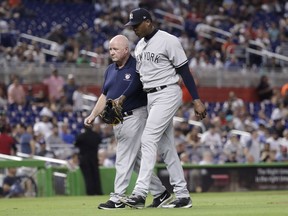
x,y
137,16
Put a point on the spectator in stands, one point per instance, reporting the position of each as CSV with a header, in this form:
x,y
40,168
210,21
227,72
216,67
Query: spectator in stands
x,y
284,90
27,145
264,89
88,144
83,37
70,50
38,55
7,142
44,126
273,65
5,9
55,138
194,146
282,155
279,112
252,147
284,139
69,87
65,133
103,158
3,97
211,140
180,140
73,161
233,64
233,147
43,150
4,121
29,96
233,103
16,92
57,34
106,134
55,85
77,98
11,184
273,140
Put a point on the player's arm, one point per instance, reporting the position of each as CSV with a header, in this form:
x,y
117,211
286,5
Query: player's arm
x,y
98,108
100,104
132,87
189,82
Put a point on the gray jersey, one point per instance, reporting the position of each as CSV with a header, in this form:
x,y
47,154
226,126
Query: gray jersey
x,y
158,58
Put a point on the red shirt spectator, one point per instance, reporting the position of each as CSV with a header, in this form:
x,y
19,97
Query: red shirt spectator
x,y
7,143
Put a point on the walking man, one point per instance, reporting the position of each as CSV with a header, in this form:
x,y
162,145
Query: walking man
x,y
161,61
119,75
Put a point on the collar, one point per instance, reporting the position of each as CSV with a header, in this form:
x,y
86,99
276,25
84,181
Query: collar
x,y
127,64
148,37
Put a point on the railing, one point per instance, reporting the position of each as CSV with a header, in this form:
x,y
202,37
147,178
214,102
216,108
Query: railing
x,y
86,75
51,44
46,159
204,30
171,16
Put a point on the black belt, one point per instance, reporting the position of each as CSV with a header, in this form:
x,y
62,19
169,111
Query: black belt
x,y
151,90
128,113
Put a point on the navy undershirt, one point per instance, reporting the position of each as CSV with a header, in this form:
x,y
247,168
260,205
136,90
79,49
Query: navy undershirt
x,y
188,80
117,80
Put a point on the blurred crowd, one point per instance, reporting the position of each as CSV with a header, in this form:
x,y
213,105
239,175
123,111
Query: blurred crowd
x,y
234,131
258,24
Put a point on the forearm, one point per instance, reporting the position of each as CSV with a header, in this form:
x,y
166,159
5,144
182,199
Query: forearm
x,y
99,106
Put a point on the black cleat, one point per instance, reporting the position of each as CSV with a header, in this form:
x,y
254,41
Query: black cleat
x,y
134,201
110,205
180,203
161,200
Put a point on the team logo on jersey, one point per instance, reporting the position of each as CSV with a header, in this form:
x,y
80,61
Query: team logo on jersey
x,y
127,76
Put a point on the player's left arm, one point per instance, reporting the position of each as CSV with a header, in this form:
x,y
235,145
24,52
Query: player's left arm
x,y
178,58
184,72
134,85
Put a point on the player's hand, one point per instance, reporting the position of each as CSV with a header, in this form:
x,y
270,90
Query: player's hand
x,y
88,122
120,100
200,110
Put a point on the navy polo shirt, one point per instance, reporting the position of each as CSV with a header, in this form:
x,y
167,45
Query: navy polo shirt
x,y
117,81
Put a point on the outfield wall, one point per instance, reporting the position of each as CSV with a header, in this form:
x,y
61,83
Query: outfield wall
x,y
53,181
231,177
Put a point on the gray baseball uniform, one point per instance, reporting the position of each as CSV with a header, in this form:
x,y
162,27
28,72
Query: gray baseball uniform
x,y
128,134
157,59
128,157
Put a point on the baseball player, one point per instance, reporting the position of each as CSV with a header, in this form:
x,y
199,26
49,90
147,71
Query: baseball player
x,y
161,61
118,76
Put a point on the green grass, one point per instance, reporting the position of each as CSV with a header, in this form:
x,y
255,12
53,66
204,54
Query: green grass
x,y
211,204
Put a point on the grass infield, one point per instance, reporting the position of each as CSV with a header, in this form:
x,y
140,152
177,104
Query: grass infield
x,y
211,204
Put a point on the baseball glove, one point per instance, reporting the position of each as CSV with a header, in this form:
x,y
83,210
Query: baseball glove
x,y
112,114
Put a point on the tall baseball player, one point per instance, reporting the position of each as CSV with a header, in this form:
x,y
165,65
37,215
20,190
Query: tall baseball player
x,y
160,60
118,76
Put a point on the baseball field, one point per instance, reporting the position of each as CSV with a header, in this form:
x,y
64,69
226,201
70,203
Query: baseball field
x,y
268,203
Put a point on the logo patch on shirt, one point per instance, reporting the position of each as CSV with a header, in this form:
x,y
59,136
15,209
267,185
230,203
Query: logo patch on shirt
x,y
127,76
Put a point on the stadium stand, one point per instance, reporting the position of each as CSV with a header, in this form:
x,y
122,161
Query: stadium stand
x,y
38,34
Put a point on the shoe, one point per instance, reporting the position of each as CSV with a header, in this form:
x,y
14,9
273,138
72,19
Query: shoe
x,y
161,200
134,201
180,203
110,205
